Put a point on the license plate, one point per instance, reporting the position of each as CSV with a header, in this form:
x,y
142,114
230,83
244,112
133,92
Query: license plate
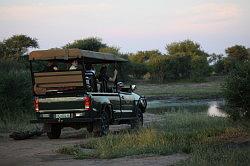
x,y
62,116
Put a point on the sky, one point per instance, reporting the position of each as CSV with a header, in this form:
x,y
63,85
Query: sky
x,y
132,25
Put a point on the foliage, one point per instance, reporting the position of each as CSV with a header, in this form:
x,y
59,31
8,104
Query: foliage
x,y
138,70
199,68
158,68
16,46
112,50
236,91
187,47
237,52
15,91
91,44
235,55
144,56
214,58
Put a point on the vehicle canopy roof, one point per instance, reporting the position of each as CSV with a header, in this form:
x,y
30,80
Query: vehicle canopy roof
x,y
70,54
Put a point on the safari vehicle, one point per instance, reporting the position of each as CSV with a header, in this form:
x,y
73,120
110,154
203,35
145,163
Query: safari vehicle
x,y
70,98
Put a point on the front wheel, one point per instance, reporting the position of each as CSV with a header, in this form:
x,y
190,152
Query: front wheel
x,y
55,131
101,127
138,122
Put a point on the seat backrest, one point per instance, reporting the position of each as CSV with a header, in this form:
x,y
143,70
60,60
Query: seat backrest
x,y
59,79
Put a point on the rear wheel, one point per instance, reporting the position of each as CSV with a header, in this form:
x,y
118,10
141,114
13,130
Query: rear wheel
x,y
55,131
101,127
138,122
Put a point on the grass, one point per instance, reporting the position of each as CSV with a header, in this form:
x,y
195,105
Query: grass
x,y
17,122
209,89
208,140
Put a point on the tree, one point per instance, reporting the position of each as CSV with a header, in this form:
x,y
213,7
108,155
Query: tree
x,y
144,56
236,91
185,58
112,50
159,68
17,45
237,52
187,47
199,68
91,44
214,58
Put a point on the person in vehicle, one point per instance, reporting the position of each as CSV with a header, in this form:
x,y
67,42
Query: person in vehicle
x,y
104,78
51,66
74,65
89,68
90,77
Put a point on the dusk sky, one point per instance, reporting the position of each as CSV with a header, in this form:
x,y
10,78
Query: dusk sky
x,y
132,25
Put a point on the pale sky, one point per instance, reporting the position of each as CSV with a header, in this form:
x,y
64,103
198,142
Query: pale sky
x,y
132,25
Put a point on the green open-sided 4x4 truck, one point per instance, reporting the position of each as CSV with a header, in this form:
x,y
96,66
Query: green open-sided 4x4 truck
x,y
69,98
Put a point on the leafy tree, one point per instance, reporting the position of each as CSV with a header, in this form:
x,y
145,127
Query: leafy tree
x,y
237,52
187,47
185,58
159,68
91,44
112,50
17,45
144,56
199,68
236,91
214,58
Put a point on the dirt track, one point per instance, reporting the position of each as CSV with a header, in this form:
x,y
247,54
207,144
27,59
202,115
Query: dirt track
x,y
41,151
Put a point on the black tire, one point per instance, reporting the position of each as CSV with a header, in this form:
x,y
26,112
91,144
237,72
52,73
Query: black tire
x,y
101,127
138,122
55,131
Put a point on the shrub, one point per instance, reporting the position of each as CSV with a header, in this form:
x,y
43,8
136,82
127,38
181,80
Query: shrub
x,y
199,68
236,91
15,91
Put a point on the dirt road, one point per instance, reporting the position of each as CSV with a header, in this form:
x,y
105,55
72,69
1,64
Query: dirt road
x,y
41,151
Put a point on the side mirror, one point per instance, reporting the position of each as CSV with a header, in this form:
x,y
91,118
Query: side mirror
x,y
133,87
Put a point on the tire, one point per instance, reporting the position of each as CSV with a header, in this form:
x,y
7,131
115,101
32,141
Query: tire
x,y
55,132
138,122
101,127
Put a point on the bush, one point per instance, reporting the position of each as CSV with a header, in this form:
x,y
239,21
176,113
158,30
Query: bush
x,y
199,68
236,91
15,91
138,70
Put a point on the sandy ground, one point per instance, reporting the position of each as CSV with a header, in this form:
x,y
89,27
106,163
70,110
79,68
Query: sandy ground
x,y
41,150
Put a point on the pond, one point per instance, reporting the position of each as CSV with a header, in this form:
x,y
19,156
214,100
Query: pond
x,y
211,107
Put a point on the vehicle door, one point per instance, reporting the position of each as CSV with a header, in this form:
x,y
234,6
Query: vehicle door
x,y
115,100
127,104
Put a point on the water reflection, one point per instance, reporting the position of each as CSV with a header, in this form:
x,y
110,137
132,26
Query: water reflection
x,y
210,106
214,110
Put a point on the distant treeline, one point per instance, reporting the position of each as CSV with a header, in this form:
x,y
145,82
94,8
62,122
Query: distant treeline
x,y
182,60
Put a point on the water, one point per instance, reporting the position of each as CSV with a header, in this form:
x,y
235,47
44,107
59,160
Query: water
x,y
211,107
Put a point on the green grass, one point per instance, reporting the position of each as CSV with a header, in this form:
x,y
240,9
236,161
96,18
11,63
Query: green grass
x,y
180,132
209,89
